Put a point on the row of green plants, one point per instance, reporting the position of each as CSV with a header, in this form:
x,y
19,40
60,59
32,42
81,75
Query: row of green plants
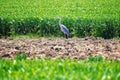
x,y
21,68
49,27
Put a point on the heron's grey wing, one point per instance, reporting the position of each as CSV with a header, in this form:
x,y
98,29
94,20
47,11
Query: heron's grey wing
x,y
65,30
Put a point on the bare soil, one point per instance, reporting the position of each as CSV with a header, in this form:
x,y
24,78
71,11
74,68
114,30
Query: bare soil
x,y
74,48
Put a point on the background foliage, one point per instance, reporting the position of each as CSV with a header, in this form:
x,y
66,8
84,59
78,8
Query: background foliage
x,y
83,18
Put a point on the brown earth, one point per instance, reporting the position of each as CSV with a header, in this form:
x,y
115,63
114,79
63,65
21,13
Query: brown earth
x,y
78,48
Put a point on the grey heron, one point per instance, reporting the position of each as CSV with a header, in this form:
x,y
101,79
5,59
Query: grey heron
x,y
64,29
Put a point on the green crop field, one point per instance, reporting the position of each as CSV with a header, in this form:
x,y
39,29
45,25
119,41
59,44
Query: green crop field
x,y
59,69
98,18
40,17
90,9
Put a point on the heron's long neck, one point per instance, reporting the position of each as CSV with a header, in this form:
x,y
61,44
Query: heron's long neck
x,y
59,21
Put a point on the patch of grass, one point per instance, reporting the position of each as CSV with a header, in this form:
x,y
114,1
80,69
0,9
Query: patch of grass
x,y
29,35
58,69
93,9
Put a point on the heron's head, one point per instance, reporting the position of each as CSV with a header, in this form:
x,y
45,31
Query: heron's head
x,y
59,17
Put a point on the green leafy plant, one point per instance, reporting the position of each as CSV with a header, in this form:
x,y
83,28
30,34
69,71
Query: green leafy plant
x,y
97,58
59,69
21,57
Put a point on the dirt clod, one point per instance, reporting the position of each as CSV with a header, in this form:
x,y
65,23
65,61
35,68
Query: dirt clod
x,y
75,48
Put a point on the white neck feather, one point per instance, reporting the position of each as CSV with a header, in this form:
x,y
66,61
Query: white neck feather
x,y
60,21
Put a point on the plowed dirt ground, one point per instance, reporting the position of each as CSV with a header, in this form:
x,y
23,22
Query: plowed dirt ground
x,y
78,48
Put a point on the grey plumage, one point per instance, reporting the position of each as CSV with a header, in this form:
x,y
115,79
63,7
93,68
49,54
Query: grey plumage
x,y
64,29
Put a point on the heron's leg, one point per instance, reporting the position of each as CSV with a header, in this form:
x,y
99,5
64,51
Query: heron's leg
x,y
63,35
66,36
